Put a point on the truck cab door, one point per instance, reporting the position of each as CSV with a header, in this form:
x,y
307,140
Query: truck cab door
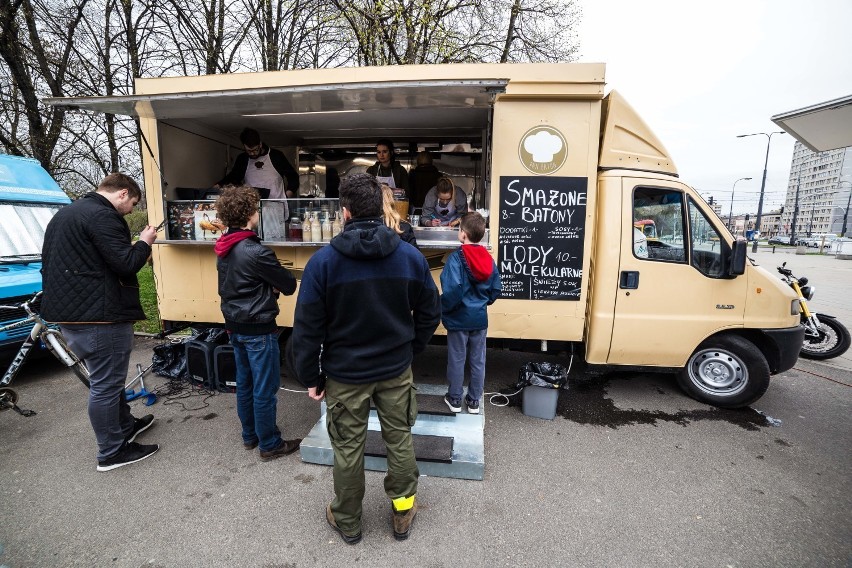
x,y
673,289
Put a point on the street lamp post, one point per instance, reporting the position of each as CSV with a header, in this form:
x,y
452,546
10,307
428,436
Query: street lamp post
x,y
731,212
848,202
763,183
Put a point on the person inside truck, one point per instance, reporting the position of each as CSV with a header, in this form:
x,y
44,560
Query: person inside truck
x,y
444,205
422,179
388,170
263,167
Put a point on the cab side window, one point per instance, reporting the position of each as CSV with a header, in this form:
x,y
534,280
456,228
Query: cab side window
x,y
706,246
658,225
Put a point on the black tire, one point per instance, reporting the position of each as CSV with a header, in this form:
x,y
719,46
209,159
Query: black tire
x,y
726,371
833,340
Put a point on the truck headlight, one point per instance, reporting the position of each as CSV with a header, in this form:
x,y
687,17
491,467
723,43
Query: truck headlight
x,y
795,307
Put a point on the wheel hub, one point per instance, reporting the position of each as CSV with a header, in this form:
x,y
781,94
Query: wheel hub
x,y
717,372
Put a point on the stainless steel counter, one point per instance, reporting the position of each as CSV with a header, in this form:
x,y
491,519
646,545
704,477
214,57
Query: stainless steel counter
x,y
427,238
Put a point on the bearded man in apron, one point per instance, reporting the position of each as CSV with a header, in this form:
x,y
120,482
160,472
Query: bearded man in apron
x,y
263,167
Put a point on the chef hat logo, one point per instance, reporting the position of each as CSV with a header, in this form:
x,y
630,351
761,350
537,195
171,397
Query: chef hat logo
x,y
543,145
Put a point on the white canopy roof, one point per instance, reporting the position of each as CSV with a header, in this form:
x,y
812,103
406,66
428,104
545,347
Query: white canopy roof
x,y
821,127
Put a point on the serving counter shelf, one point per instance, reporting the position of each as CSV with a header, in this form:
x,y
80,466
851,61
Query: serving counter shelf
x,y
427,238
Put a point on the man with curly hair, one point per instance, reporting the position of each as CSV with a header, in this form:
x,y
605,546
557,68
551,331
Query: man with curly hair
x,y
250,281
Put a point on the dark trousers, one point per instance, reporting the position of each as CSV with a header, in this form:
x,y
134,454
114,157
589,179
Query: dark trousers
x,y
346,420
105,349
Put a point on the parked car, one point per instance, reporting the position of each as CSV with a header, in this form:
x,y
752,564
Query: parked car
x,y
779,240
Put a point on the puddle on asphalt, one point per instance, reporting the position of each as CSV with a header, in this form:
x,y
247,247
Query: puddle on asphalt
x,y
586,402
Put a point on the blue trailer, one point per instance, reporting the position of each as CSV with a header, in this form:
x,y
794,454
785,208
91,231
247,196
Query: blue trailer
x,y
29,198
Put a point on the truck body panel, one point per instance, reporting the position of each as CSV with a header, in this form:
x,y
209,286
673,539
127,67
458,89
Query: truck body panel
x,y
563,171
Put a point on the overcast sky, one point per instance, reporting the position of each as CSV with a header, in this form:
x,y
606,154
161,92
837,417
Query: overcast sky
x,y
700,73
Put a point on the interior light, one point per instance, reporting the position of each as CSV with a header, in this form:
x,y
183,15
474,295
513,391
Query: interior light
x,y
305,112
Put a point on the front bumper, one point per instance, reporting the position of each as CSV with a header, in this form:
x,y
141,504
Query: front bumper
x,y
785,345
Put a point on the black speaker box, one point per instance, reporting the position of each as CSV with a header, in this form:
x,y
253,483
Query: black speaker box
x,y
225,365
199,362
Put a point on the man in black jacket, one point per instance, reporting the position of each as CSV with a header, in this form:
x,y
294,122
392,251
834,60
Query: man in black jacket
x,y
90,289
252,167
250,279
367,304
263,167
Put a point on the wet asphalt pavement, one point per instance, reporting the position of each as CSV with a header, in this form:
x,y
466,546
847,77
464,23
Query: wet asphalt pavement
x,y
630,473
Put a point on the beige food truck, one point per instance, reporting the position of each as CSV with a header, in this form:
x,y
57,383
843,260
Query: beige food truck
x,y
562,171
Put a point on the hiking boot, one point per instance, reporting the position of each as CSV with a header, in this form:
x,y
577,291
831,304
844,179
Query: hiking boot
x,y
128,454
454,404
402,522
139,426
354,539
287,447
472,406
250,445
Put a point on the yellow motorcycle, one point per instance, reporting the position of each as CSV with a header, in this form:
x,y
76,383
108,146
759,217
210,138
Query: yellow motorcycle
x,y
825,337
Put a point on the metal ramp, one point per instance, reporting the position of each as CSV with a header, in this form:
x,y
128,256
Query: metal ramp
x,y
445,444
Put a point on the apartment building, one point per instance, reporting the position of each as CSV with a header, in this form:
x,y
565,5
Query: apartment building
x,y
820,183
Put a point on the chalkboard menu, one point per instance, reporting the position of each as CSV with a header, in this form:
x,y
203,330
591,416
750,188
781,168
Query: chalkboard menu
x,y
542,229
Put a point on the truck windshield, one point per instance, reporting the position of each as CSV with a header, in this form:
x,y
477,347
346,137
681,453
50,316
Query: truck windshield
x,y
22,228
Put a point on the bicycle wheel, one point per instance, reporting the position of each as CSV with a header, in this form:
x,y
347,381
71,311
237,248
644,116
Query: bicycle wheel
x,y
61,351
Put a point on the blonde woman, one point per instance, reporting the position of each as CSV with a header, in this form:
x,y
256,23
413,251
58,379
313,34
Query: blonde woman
x,y
392,219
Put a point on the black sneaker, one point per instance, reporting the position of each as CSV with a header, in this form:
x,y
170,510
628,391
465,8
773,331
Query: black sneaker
x,y
472,406
128,454
455,405
139,426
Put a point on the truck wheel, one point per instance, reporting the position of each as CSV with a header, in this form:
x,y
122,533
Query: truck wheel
x,y
725,371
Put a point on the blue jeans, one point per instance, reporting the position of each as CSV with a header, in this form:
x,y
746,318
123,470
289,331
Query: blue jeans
x,y
105,349
258,379
462,345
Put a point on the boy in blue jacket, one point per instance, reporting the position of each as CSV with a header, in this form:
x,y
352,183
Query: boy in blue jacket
x,y
470,283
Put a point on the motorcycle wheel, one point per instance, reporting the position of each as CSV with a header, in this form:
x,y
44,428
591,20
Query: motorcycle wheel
x,y
833,340
725,371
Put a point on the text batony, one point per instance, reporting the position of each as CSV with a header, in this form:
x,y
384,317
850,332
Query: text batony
x,y
540,237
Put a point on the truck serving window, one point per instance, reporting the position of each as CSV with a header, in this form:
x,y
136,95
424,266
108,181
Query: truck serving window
x,y
705,244
658,224
22,228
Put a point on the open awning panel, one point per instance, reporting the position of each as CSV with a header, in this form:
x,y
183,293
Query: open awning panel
x,y
317,112
822,127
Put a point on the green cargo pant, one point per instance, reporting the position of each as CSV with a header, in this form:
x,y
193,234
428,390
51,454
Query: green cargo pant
x,y
346,420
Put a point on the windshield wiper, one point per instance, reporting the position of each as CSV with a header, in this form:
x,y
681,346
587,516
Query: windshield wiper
x,y
19,258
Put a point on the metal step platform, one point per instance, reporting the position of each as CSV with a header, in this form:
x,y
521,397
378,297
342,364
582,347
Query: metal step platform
x,y
445,444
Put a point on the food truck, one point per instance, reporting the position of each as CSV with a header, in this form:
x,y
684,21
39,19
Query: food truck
x,y
561,170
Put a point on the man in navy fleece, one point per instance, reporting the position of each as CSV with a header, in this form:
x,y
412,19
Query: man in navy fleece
x,y
366,305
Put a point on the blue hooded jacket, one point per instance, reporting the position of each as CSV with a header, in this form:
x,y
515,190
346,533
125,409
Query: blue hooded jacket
x,y
470,283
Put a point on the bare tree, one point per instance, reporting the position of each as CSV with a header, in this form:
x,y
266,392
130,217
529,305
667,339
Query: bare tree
x,y
207,35
538,30
36,41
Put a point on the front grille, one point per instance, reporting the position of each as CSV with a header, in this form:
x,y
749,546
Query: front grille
x,y
14,314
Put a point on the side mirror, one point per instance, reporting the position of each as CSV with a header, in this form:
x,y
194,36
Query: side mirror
x,y
737,264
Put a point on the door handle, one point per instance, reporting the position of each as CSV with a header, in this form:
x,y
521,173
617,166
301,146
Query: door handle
x,y
629,279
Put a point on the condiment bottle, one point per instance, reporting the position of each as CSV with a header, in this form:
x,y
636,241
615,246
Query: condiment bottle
x,y
326,229
306,229
295,229
316,229
337,226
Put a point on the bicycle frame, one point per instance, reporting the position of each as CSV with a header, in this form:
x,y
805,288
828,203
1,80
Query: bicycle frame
x,y
26,347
